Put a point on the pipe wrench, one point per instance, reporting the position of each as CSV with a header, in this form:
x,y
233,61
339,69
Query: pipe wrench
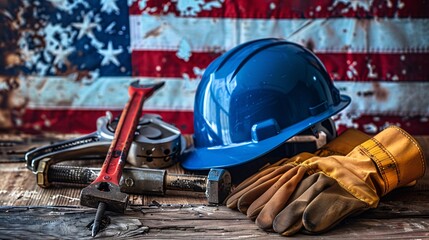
x,y
156,144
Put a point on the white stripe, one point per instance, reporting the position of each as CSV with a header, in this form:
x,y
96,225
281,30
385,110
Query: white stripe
x,y
104,93
394,98
386,98
168,32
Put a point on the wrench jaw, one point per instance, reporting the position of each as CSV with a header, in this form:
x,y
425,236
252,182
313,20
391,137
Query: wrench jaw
x,y
89,146
92,195
164,149
156,144
94,145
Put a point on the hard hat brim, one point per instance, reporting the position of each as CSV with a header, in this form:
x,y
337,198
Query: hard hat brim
x,y
234,155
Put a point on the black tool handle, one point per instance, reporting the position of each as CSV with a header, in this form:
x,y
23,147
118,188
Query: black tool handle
x,y
136,181
71,175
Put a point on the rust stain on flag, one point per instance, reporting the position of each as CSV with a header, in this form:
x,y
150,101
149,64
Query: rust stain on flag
x,y
381,94
378,92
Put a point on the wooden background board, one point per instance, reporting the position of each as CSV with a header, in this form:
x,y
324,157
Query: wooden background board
x,y
30,212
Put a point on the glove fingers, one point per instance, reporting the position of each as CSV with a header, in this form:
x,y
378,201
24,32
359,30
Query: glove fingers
x,y
303,186
256,206
286,222
278,201
250,196
329,208
234,198
266,174
293,229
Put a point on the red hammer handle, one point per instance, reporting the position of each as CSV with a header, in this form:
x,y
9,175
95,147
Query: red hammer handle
x,y
105,190
111,170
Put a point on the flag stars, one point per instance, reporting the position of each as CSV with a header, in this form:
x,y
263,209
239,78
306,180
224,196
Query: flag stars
x,y
109,6
61,54
109,55
85,27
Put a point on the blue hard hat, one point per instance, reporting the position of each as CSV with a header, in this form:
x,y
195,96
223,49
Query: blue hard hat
x,y
255,97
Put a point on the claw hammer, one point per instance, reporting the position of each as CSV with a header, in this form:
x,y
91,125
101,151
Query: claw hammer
x,y
104,193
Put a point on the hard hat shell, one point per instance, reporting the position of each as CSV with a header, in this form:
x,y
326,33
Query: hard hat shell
x,y
255,97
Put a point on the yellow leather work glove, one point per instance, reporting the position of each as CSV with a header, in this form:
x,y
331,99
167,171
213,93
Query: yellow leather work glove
x,y
339,186
266,181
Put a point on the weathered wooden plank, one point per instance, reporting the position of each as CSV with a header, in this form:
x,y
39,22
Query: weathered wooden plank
x,y
187,222
60,223
19,189
404,213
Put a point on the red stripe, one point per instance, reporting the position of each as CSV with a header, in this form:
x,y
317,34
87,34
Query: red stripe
x,y
385,66
341,66
288,9
167,64
84,121
417,125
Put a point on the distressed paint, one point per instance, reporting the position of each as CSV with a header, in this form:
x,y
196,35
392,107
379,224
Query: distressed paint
x,y
364,44
107,92
191,8
401,98
386,97
354,4
368,98
285,9
362,35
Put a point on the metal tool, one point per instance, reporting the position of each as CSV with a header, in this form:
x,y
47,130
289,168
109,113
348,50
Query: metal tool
x,y
13,150
156,144
104,193
141,181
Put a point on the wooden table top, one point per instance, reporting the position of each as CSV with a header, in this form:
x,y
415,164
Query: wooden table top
x,y
28,211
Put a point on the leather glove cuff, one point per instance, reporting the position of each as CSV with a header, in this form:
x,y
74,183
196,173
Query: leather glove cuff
x,y
398,157
389,160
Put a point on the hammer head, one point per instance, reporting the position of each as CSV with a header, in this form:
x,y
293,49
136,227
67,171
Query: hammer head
x,y
106,192
218,185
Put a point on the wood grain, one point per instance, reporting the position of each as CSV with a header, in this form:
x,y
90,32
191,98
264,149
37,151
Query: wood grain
x,y
183,222
30,212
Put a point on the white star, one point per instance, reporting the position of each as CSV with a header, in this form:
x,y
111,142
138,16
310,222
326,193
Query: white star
x,y
109,6
85,27
109,55
61,54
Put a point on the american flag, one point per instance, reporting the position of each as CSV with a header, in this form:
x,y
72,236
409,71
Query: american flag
x,y
64,63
